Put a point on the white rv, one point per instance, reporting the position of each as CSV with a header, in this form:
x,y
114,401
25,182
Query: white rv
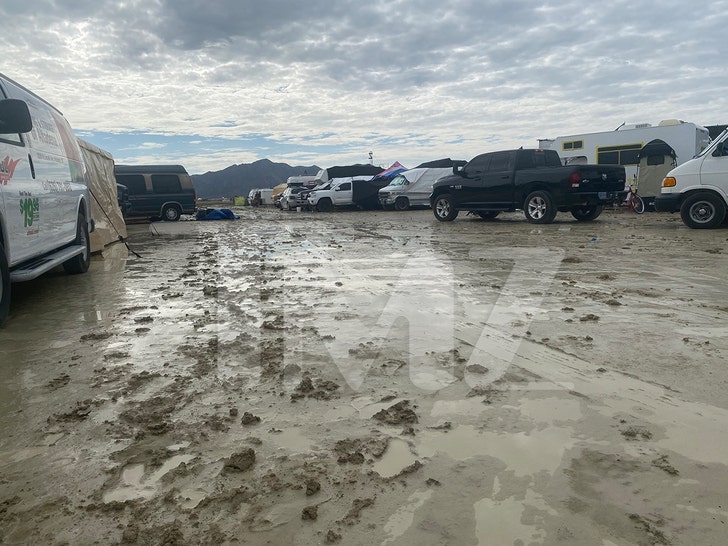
x,y
622,145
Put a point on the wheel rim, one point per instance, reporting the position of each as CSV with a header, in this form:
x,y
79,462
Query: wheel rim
x,y
537,208
702,212
442,207
171,214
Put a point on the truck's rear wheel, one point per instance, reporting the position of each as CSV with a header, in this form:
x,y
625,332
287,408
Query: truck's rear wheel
x,y
703,211
587,213
539,208
444,209
324,205
4,286
80,262
402,203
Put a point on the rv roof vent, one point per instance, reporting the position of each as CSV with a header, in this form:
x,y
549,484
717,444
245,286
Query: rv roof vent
x,y
670,122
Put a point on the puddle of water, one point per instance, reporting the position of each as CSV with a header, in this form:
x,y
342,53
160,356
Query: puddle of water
x,y
292,440
500,521
551,410
396,458
134,486
516,450
471,407
404,516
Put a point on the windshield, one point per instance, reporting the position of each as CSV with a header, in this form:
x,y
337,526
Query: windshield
x,y
398,181
713,144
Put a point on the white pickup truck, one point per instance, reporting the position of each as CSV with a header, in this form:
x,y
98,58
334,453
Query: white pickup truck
x,y
698,188
45,214
359,191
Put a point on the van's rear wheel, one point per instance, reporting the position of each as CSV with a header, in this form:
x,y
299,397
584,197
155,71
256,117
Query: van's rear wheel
x,y
4,286
171,213
80,262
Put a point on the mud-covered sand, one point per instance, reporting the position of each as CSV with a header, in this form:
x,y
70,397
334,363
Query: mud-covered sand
x,y
373,378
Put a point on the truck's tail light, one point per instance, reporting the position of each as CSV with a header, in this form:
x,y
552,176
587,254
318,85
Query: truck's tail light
x,y
669,182
574,180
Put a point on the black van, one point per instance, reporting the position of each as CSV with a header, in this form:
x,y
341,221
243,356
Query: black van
x,y
157,191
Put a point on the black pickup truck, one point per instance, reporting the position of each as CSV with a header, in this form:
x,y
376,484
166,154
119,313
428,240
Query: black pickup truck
x,y
531,180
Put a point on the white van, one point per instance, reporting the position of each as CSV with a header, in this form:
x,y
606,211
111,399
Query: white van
x,y
699,187
45,214
411,188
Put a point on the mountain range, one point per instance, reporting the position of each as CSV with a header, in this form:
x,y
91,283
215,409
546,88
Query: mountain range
x,y
240,179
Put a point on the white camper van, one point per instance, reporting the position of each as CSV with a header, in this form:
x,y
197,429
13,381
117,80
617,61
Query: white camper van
x,y
411,188
698,189
45,214
622,145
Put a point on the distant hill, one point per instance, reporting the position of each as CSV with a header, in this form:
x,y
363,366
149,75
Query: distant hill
x,y
240,179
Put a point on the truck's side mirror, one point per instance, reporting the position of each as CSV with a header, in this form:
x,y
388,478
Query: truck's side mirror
x,y
14,117
457,167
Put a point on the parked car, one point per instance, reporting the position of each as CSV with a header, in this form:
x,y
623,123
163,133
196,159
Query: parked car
x,y
157,191
289,199
532,180
45,205
411,188
122,196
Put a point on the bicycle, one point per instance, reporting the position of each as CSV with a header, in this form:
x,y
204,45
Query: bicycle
x,y
634,201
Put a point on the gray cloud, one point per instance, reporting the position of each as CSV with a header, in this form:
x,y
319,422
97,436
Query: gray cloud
x,y
434,75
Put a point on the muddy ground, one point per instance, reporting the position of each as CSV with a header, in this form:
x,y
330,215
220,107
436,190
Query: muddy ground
x,y
373,378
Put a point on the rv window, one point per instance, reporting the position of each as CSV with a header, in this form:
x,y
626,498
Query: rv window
x,y
624,154
166,183
134,182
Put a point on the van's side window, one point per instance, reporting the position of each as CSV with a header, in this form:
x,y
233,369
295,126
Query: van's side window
x,y
11,138
134,182
166,183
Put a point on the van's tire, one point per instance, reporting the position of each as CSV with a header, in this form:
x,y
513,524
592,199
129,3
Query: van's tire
x,y
444,208
80,262
401,203
171,213
4,286
488,214
703,210
587,213
539,208
324,205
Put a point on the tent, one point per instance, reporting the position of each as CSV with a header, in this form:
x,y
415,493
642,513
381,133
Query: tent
x,y
395,169
109,222
656,159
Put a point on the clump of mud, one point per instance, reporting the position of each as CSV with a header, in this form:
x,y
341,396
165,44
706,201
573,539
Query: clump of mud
x,y
398,414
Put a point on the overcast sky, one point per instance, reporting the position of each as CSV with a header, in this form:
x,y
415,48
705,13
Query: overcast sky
x,y
211,83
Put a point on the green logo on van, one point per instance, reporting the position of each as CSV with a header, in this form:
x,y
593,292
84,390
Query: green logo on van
x,y
29,208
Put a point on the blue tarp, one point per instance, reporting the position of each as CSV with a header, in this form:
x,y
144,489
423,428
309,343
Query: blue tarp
x,y
216,214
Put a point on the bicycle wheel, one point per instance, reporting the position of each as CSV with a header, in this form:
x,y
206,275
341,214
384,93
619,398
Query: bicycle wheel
x,y
638,204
